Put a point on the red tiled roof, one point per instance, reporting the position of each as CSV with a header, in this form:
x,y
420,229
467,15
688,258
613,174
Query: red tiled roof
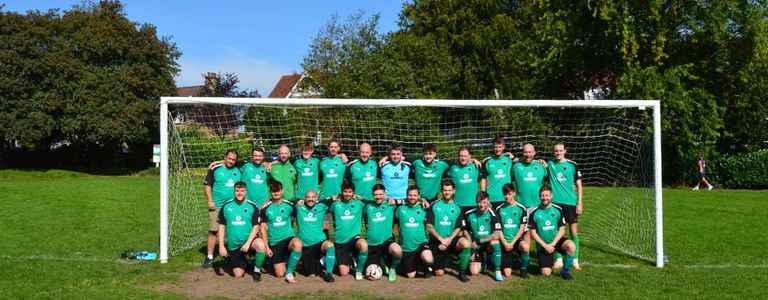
x,y
186,91
284,86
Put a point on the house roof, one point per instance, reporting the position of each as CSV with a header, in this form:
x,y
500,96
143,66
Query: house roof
x,y
186,91
284,86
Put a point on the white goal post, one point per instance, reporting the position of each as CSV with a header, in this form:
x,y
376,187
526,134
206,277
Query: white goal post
x,y
655,178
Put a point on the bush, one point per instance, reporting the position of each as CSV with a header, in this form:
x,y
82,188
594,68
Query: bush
x,y
742,171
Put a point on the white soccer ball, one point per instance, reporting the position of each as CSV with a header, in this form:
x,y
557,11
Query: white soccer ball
x,y
373,272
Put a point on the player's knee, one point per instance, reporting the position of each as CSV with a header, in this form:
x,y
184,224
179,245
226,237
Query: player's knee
x,y
258,245
411,275
524,246
296,244
362,245
546,271
465,243
507,272
439,272
326,245
426,256
395,250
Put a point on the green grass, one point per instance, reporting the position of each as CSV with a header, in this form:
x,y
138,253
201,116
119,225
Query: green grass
x,y
62,234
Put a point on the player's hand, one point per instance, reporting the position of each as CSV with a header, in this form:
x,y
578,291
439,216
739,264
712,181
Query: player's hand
x,y
515,159
474,245
477,163
549,248
269,252
424,203
213,164
507,246
300,202
511,156
223,251
442,247
344,158
543,163
392,202
578,209
211,206
245,248
267,166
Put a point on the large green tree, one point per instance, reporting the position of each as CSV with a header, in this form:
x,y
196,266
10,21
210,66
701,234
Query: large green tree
x,y
88,76
705,60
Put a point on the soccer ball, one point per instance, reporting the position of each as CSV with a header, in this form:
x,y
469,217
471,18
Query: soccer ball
x,y
373,272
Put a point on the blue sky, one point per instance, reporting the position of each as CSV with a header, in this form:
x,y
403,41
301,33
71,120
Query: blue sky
x,y
257,40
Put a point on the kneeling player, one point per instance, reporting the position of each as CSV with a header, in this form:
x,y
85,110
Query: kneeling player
x,y
348,221
379,218
444,227
514,218
277,229
238,226
411,219
481,225
547,227
316,247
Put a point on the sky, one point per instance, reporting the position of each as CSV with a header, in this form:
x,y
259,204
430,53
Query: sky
x,y
257,40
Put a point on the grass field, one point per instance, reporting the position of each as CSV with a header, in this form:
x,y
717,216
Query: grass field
x,y
62,234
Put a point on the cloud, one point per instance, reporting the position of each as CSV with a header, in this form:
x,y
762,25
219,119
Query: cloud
x,y
253,73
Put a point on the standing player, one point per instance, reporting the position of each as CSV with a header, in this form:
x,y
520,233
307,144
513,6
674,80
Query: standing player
x,y
565,180
444,228
481,225
379,219
283,171
363,173
466,177
348,221
498,171
308,169
411,219
277,230
316,246
332,169
395,173
529,175
701,165
513,217
219,187
238,226
547,227
256,177
428,172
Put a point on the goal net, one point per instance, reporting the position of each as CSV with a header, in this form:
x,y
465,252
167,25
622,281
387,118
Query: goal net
x,y
615,144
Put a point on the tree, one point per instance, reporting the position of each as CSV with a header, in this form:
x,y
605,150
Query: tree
x,y
89,77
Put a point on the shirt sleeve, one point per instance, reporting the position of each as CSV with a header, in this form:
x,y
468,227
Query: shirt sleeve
x,y
263,214
495,221
220,218
430,216
576,173
255,218
209,178
465,223
531,222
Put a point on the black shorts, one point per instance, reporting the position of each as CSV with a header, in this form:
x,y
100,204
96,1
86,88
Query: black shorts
x,y
508,257
701,175
379,253
482,251
346,252
569,213
280,251
411,260
443,258
310,259
237,259
546,260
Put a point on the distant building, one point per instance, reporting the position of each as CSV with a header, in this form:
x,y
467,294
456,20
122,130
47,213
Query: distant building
x,y
288,87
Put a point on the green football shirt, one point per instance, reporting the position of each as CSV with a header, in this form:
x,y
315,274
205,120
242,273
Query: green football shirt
x,y
562,179
363,176
308,177
222,182
238,218
379,219
480,225
444,217
347,219
285,173
278,219
466,178
256,179
498,172
310,223
428,177
332,169
528,178
546,221
512,218
411,221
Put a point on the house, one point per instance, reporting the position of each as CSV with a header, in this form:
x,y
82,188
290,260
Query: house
x,y
288,87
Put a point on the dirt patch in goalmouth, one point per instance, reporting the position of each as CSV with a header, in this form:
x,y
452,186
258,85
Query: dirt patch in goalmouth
x,y
207,283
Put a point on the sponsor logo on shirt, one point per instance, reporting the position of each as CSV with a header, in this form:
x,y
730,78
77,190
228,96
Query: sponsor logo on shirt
x,y
499,174
411,222
310,217
445,221
368,176
428,174
308,172
379,217
560,176
529,177
347,215
465,179
510,224
230,183
332,174
482,231
278,222
238,221
257,179
548,226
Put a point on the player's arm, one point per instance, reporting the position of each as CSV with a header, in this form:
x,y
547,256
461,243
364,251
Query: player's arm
x,y
496,225
208,182
383,160
483,174
254,230
579,190
431,229
523,226
535,234
264,232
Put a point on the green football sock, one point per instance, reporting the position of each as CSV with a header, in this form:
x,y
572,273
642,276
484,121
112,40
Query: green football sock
x,y
578,246
395,263
258,259
496,256
568,263
524,260
557,255
293,260
464,259
362,257
330,259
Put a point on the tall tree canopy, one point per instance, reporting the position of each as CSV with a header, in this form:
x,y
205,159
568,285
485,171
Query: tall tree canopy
x,y
705,60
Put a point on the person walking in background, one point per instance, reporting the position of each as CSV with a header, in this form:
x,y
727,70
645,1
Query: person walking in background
x,y
702,165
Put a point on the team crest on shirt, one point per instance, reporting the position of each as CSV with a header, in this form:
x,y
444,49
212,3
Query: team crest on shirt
x,y
411,222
